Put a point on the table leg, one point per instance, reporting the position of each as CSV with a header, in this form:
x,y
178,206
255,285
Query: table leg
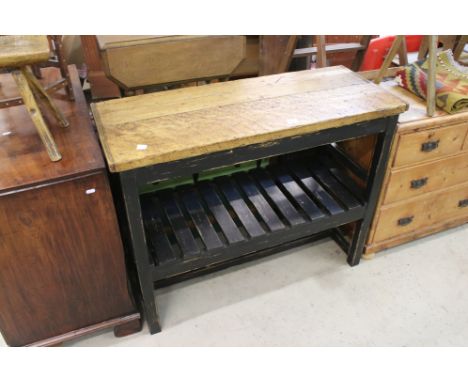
x,y
374,185
139,248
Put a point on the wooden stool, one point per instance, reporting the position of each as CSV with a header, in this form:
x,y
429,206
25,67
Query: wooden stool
x,y
16,54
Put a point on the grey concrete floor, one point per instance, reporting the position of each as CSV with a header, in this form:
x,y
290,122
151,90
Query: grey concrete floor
x,y
412,295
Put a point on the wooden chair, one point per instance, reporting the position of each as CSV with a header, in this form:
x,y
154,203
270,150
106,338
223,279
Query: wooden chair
x,y
17,53
57,60
322,49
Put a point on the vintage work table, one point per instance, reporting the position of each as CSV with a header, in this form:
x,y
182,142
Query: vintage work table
x,y
307,187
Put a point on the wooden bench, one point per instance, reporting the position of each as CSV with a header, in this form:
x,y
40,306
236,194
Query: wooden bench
x,y
301,191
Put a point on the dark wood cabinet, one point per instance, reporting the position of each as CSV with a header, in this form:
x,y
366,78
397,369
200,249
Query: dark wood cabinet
x,y
62,268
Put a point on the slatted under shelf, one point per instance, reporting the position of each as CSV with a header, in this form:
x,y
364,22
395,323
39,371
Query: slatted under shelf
x,y
197,225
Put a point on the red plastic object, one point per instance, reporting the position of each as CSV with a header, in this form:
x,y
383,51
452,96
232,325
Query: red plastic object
x,y
379,47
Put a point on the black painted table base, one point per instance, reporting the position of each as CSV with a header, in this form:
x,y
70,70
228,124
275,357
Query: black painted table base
x,y
306,192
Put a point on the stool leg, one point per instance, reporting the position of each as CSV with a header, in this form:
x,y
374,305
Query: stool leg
x,y
36,116
34,83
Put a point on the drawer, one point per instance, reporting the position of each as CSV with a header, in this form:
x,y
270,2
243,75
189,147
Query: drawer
x,y
430,144
418,180
422,212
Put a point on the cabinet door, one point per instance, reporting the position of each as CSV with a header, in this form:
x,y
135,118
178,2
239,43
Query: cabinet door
x,y
61,260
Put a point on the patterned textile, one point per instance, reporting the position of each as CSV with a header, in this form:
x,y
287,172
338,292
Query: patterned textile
x,y
451,82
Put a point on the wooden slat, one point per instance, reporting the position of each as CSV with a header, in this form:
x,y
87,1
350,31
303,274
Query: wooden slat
x,y
258,200
158,128
343,177
240,207
157,236
221,214
276,195
179,225
298,194
372,74
329,181
199,217
331,48
317,190
197,98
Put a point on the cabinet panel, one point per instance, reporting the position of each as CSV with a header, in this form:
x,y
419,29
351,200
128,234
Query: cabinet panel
x,y
61,260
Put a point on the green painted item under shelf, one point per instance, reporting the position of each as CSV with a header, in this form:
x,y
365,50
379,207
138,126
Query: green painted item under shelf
x,y
205,175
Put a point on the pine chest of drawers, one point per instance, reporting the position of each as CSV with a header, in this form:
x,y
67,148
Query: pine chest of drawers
x,y
426,183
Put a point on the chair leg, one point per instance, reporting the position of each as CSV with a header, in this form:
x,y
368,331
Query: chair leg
x,y
57,39
34,83
321,52
36,116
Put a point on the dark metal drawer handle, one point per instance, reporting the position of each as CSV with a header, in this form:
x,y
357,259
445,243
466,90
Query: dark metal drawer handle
x,y
418,183
429,146
463,203
405,221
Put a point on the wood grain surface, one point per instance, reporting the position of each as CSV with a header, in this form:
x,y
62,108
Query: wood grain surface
x,y
23,159
276,53
432,176
417,106
61,263
161,127
23,50
446,140
62,269
425,211
152,60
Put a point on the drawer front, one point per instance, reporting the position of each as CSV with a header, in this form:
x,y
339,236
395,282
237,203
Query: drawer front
x,y
418,180
430,144
406,217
